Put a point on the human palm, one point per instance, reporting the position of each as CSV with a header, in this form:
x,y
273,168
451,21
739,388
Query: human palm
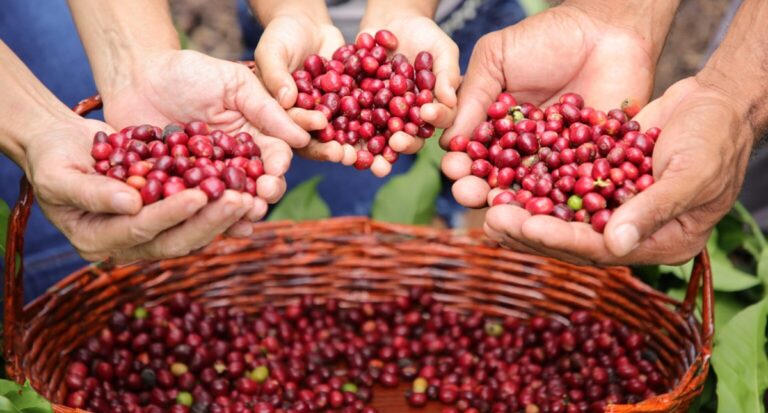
x,y
103,217
286,42
431,38
699,162
181,86
558,51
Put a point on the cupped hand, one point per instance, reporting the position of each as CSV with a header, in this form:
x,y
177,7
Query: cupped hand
x,y
103,217
699,162
286,42
560,50
181,86
431,38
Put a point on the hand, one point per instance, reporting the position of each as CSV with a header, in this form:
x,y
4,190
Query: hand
x,y
433,39
699,163
104,217
560,50
181,86
286,42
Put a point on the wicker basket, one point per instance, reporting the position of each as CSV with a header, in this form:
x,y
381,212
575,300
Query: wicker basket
x,y
353,260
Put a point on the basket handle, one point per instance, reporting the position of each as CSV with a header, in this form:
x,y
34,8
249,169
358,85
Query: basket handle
x,y
701,277
13,317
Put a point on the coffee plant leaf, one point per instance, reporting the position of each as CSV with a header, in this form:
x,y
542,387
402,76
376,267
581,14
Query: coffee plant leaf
x,y
409,198
740,361
302,203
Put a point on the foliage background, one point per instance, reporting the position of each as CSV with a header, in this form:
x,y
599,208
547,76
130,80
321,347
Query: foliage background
x,y
738,250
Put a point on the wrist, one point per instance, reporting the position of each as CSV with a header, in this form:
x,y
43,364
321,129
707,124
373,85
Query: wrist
x,y
18,137
379,14
126,66
733,85
648,20
313,12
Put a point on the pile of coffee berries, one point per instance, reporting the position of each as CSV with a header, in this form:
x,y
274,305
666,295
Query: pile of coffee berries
x,y
162,162
367,96
567,160
318,355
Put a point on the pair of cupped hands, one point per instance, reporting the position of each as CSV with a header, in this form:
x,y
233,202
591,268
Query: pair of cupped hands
x,y
698,160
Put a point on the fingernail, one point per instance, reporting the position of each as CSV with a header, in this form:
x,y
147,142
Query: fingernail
x,y
124,203
627,238
281,94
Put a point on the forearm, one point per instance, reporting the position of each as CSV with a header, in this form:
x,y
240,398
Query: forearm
x,y
739,67
378,10
26,105
649,19
117,34
268,10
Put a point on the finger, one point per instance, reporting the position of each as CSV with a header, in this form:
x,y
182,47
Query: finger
x,y
197,232
510,222
482,84
275,154
328,151
332,40
109,232
308,119
350,155
448,75
471,191
274,68
381,167
258,211
570,241
493,194
438,114
649,210
240,229
575,242
270,188
456,165
405,143
88,192
265,113
507,242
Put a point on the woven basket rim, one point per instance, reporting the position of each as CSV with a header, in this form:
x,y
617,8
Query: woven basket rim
x,y
15,312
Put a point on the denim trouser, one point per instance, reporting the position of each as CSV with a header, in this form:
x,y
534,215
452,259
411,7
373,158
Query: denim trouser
x,y
43,35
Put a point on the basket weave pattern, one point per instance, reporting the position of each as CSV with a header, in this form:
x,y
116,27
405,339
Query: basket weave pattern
x,y
353,260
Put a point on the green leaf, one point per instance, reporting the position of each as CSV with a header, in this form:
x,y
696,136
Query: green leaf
x,y
762,269
731,233
24,398
6,406
432,150
740,212
302,203
409,198
740,361
726,277
8,385
532,7
4,214
727,305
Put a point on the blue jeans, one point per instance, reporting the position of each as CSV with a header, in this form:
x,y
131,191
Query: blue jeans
x,y
46,40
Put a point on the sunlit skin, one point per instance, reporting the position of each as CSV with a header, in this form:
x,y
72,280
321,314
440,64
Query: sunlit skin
x,y
296,30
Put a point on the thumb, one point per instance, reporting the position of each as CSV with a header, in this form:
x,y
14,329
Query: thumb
x,y
482,83
274,69
93,193
650,210
266,114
